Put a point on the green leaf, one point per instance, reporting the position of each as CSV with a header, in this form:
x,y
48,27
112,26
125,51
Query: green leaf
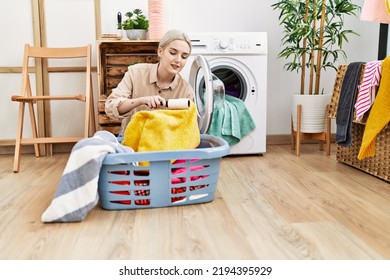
x,y
296,29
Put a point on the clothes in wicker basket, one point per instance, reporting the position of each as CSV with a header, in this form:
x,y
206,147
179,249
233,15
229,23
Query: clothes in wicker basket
x,y
379,115
368,88
377,165
346,104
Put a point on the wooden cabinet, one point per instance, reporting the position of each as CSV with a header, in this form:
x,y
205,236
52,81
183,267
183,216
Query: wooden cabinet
x,y
114,56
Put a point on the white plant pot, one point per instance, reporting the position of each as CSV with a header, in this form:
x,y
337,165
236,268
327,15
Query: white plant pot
x,y
313,112
136,34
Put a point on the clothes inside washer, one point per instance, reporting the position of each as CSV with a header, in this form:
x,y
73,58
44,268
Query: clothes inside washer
x,y
233,85
232,122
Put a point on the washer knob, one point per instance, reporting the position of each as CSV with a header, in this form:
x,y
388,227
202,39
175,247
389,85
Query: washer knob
x,y
223,44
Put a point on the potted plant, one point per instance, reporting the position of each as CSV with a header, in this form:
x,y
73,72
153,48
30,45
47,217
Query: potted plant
x,y
313,37
136,25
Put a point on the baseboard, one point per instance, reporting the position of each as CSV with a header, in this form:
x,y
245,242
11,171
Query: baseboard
x,y
285,139
281,139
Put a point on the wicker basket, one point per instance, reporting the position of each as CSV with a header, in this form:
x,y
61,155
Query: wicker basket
x,y
378,165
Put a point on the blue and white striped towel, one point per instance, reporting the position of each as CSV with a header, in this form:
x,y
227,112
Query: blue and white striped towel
x,y
77,192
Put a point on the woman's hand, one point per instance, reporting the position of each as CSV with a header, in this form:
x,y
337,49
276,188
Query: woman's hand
x,y
154,101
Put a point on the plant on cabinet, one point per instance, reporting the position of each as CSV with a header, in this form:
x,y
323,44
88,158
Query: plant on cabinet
x,y
136,25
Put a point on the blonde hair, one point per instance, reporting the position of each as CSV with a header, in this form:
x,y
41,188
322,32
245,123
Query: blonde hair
x,y
173,35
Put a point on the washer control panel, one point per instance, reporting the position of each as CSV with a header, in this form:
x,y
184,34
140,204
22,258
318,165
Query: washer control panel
x,y
229,43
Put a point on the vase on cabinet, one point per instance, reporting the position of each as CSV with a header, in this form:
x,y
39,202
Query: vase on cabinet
x,y
136,34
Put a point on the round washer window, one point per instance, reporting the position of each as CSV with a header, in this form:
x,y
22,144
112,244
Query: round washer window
x,y
233,80
235,84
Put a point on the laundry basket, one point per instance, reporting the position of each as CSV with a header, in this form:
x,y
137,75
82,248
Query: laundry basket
x,y
377,165
166,178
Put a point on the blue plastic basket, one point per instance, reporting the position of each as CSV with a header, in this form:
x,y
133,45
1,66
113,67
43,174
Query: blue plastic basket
x,y
171,178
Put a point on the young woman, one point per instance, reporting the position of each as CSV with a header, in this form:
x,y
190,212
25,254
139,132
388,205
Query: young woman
x,y
145,85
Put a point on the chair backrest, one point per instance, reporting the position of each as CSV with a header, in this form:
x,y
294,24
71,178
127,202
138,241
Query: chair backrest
x,y
71,52
58,53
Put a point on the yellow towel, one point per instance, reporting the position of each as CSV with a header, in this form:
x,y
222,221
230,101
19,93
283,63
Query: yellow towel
x,y
379,115
161,130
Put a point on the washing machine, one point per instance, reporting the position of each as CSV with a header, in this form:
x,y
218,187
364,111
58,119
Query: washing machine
x,y
239,61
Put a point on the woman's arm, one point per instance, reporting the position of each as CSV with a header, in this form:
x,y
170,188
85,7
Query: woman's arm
x,y
154,101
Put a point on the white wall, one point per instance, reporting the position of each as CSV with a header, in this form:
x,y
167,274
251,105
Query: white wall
x,y
14,36
191,16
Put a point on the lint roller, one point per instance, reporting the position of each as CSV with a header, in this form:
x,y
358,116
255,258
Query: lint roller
x,y
180,103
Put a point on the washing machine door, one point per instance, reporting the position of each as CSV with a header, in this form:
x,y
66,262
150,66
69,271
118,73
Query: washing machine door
x,y
206,87
201,81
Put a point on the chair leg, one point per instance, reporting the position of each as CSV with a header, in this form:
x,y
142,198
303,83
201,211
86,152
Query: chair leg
x,y
32,116
89,123
34,128
19,134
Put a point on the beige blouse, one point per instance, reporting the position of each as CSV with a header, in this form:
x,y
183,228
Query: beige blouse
x,y
141,80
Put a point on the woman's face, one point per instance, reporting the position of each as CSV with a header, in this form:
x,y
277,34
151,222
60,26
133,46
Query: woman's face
x,y
174,56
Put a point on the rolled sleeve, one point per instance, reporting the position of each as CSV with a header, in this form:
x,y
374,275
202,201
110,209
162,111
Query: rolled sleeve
x,y
121,93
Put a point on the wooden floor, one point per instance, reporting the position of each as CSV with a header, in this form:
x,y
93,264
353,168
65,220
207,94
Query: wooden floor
x,y
277,206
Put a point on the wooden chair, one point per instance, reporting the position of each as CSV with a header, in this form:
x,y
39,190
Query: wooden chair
x,y
27,97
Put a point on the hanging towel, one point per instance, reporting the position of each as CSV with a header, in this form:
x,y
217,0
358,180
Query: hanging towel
x,y
346,102
232,121
161,130
379,115
77,191
368,88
